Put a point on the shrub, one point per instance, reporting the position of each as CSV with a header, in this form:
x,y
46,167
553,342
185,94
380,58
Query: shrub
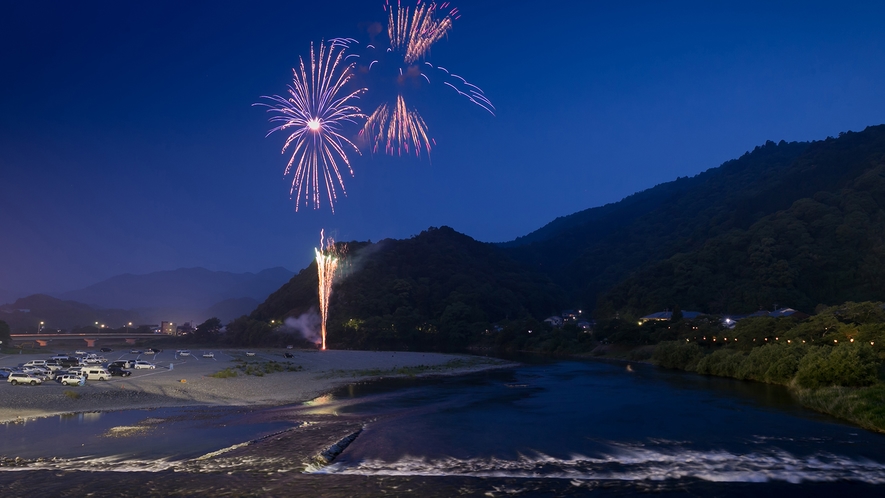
x,y
675,354
724,363
225,374
772,363
852,364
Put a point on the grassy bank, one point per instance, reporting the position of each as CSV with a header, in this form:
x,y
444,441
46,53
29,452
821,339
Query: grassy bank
x,y
864,406
842,380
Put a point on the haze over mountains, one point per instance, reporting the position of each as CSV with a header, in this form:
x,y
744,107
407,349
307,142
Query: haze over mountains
x,y
186,294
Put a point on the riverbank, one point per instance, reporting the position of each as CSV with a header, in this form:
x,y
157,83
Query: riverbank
x,y
861,406
268,378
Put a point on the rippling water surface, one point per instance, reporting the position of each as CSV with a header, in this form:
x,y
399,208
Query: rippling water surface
x,y
547,429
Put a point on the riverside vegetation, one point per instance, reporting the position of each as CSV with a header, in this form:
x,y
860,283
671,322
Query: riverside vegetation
x,y
832,362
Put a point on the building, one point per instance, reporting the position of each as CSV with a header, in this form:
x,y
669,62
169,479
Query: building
x,y
668,315
167,328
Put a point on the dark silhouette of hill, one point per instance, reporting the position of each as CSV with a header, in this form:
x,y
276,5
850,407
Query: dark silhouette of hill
x,y
822,243
26,313
436,290
643,247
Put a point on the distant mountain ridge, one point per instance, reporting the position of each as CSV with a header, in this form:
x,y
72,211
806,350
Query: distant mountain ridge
x,y
184,288
25,314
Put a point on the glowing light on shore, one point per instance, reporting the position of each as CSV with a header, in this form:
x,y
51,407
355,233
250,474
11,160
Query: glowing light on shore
x,y
316,111
327,263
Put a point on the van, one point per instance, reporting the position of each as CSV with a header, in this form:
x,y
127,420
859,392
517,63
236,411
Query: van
x,y
97,374
35,363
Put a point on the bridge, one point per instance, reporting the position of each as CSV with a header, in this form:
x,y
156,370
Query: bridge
x,y
44,339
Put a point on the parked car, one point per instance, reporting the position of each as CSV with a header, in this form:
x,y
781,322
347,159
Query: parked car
x,y
75,371
135,351
59,357
80,352
144,364
53,365
35,363
69,362
5,371
105,350
118,371
38,372
250,353
23,378
122,364
72,380
97,374
209,355
183,352
151,351
289,355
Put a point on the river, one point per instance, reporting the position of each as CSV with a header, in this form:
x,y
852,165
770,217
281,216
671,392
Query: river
x,y
546,428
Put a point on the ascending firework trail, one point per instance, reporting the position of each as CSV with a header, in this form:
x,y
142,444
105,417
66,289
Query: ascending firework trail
x,y
327,263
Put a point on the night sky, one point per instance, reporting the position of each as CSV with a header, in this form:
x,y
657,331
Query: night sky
x,y
129,143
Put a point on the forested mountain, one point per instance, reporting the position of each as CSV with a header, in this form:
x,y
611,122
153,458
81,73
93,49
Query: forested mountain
x,y
437,290
794,224
789,223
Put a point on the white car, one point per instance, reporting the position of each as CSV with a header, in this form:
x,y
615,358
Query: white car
x,y
208,355
250,353
183,352
72,380
23,378
144,364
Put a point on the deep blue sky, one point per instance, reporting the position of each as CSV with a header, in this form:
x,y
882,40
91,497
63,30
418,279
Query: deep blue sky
x,y
128,142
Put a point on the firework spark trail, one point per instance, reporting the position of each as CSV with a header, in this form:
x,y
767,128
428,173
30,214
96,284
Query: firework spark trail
x,y
404,126
414,36
317,109
327,263
395,126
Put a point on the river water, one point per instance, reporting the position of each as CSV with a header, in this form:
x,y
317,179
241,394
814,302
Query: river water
x,y
549,428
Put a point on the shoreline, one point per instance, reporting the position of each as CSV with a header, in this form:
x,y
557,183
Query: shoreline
x,y
190,382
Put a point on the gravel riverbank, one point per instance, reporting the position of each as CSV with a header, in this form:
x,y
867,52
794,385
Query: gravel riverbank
x,y
186,381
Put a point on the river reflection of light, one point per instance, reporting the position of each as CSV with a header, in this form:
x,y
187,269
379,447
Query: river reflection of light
x,y
321,404
84,417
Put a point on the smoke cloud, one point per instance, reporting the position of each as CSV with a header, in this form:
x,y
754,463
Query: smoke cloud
x,y
307,325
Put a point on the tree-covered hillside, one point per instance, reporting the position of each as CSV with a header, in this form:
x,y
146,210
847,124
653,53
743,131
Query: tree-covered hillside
x,y
824,249
437,290
789,223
